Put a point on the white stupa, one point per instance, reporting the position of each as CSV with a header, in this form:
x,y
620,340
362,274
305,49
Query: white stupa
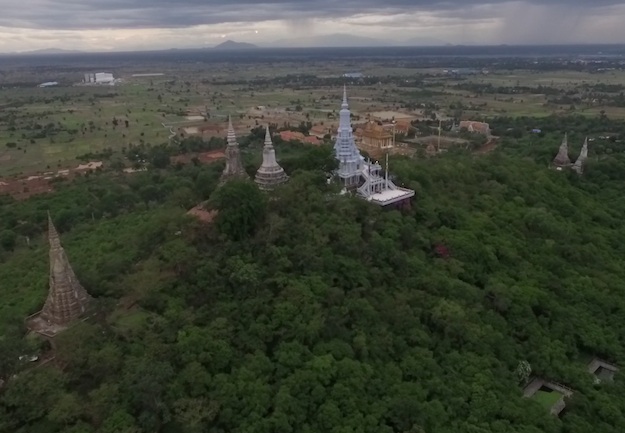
x,y
270,174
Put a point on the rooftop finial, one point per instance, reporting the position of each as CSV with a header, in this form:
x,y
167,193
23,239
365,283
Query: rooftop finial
x,y
232,138
268,141
345,105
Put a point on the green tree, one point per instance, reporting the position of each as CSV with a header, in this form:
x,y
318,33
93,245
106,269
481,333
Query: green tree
x,y
241,208
8,240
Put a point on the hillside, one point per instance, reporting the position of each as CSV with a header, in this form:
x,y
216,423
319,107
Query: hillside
x,y
311,311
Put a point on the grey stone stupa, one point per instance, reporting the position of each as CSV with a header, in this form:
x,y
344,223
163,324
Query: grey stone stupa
x,y
67,300
234,165
562,158
270,174
578,167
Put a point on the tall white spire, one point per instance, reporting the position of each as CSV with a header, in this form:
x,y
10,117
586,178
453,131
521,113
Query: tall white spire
x,y
364,176
583,155
270,174
349,157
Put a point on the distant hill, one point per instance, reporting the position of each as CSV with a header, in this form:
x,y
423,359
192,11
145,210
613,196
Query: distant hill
x,y
336,40
424,42
233,45
50,51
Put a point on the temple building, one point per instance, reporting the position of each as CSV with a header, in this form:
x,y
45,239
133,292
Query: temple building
x,y
67,300
578,167
374,138
270,174
360,175
234,165
477,127
602,370
562,158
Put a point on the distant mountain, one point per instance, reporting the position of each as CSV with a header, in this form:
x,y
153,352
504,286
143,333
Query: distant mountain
x,y
336,40
232,45
50,51
424,42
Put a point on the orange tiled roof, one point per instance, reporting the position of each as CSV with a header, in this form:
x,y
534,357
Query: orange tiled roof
x,y
472,126
319,130
291,135
373,130
294,135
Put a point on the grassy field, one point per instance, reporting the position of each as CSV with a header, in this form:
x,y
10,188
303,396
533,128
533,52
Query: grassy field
x,y
547,399
46,129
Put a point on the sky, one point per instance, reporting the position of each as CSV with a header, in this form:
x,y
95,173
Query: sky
x,y
105,25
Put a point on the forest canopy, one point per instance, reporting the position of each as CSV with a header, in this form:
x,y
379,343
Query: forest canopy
x,y
308,311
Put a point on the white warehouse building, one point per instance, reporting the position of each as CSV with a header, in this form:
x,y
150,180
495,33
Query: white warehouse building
x,y
104,78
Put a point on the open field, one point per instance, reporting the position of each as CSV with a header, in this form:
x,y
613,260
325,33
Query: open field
x,y
547,399
46,129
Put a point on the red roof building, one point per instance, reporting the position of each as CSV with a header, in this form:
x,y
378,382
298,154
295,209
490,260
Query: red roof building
x,y
479,127
298,136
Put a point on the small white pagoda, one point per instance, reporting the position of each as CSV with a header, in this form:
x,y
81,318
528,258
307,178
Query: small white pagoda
x,y
270,174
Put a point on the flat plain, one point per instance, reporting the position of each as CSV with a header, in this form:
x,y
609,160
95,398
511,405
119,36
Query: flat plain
x,y
47,129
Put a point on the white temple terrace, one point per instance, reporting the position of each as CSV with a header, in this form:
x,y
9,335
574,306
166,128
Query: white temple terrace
x,y
356,172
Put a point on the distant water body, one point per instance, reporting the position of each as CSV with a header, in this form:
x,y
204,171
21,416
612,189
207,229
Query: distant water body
x,y
299,54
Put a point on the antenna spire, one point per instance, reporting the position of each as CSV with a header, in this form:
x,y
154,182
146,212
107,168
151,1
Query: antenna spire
x,y
386,174
438,145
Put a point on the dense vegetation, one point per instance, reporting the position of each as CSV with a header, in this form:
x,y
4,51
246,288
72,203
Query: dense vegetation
x,y
307,311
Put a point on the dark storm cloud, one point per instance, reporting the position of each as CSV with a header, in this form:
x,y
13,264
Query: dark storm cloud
x,y
92,14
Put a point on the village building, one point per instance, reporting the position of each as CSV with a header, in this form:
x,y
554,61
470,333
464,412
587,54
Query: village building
x,y
602,370
298,136
477,127
319,131
403,127
551,394
374,139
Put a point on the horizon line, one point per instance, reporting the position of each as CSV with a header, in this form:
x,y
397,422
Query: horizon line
x,y
63,51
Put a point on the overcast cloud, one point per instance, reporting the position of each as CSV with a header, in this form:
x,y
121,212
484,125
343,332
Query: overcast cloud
x,y
136,24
